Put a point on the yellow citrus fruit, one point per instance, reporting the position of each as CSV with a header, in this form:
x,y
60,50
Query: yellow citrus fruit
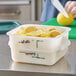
x,y
62,20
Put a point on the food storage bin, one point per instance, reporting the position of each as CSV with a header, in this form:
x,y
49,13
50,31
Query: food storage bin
x,y
38,50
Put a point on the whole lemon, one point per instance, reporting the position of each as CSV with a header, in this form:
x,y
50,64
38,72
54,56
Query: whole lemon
x,y
62,20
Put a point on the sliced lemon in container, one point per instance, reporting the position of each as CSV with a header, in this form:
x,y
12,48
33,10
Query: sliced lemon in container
x,y
24,30
20,31
55,33
31,29
35,33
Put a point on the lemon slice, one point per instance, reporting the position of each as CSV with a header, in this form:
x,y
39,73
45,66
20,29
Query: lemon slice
x,y
55,33
20,31
31,29
35,33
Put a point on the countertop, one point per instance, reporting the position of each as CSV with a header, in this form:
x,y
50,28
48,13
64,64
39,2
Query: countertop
x,y
65,67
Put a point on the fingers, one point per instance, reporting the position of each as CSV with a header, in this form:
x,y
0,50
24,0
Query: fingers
x,y
70,6
67,5
73,11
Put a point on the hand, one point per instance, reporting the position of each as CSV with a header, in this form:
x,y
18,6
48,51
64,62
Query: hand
x,y
70,6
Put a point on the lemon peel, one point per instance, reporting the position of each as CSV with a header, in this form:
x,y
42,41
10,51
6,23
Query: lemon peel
x,y
62,20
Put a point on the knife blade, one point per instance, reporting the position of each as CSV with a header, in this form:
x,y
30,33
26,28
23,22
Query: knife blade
x,y
59,7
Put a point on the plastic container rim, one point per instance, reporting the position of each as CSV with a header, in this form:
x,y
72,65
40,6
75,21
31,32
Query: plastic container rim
x,y
9,33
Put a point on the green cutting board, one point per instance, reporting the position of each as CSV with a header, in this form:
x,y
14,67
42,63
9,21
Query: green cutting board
x,y
72,33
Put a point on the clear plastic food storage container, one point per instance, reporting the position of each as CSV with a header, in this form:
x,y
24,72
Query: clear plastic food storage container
x,y
38,50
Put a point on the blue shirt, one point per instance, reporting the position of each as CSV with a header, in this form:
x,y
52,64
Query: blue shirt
x,y
49,11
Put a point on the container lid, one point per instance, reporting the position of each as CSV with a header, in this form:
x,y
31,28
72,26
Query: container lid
x,y
6,26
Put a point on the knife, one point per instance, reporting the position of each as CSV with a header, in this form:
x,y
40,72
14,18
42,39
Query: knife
x,y
59,7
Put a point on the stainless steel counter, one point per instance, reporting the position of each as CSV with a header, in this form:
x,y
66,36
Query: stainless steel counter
x,y
65,67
